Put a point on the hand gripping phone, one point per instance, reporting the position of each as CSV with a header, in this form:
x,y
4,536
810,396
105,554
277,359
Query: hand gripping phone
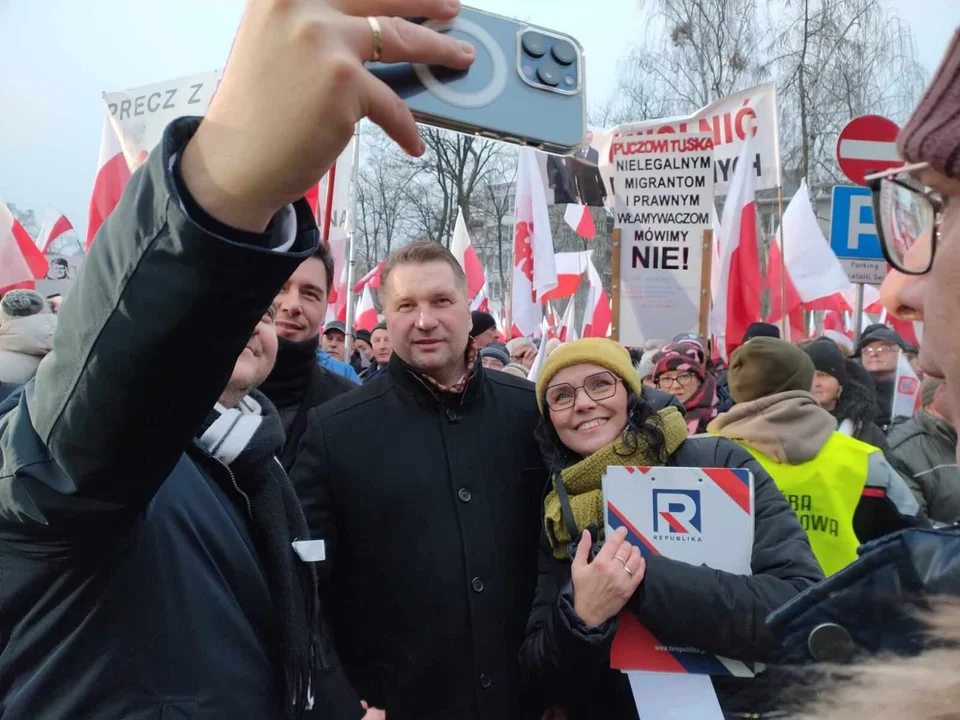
x,y
526,85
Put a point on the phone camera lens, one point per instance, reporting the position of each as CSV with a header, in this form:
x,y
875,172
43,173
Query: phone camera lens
x,y
563,52
534,44
569,81
549,73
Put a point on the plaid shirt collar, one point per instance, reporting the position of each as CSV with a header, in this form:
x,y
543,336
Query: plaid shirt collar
x,y
456,391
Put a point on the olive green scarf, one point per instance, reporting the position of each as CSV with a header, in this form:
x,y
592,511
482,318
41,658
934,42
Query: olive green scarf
x,y
583,480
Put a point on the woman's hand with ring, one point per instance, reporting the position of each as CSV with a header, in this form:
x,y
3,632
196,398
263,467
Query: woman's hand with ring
x,y
601,588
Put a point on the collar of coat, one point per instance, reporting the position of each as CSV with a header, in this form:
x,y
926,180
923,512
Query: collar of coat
x,y
456,394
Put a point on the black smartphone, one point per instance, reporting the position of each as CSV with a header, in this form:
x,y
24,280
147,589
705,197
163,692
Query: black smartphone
x,y
526,86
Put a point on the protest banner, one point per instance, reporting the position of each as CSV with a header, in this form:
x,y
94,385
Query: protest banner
x,y
61,272
906,389
663,212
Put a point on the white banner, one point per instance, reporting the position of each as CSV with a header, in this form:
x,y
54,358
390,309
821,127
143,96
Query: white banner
x,y
906,392
663,206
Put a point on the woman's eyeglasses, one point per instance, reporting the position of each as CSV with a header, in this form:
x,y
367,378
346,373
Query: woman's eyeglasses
x,y
682,380
907,216
600,386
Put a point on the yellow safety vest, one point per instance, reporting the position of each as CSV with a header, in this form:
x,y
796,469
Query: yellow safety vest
x,y
824,492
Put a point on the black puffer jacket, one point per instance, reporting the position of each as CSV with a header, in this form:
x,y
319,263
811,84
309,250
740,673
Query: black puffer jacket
x,y
568,663
858,403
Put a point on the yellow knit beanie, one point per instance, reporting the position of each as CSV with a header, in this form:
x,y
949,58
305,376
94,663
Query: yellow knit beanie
x,y
600,351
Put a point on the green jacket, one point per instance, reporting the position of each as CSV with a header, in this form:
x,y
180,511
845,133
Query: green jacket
x,y
924,449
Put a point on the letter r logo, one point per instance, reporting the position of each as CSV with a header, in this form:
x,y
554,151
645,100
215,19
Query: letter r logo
x,y
676,512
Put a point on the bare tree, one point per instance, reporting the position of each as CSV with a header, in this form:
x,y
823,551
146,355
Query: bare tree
x,y
27,218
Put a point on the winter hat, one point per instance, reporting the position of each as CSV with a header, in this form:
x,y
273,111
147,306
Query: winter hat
x,y
552,345
931,134
363,335
761,329
335,326
879,333
767,366
482,322
497,351
518,345
684,356
515,369
928,390
600,351
828,358
646,365
21,303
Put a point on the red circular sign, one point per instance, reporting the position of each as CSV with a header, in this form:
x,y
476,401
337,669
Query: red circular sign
x,y
867,145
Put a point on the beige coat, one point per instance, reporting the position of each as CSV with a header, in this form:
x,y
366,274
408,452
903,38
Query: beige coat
x,y
23,344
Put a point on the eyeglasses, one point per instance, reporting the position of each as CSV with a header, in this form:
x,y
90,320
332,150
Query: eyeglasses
x,y
907,216
683,380
600,386
879,349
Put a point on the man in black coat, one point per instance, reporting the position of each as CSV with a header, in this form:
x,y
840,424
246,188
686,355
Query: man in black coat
x,y
560,179
298,383
425,485
587,175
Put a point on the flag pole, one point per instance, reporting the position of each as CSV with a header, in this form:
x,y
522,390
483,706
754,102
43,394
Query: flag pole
x,y
784,321
614,286
352,239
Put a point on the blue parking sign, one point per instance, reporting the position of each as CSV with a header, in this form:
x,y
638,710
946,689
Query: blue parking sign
x,y
853,234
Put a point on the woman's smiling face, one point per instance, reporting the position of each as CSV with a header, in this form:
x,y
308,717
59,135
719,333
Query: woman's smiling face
x,y
587,424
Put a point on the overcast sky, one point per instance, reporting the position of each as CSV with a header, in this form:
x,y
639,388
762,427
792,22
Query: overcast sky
x,y
57,56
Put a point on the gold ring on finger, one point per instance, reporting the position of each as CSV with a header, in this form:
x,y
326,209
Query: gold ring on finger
x,y
620,560
629,571
377,38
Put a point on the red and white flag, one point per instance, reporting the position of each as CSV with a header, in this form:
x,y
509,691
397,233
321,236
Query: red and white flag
x,y
462,249
570,268
741,285
54,225
21,261
367,318
337,300
567,331
541,357
578,217
534,269
112,177
836,327
481,300
906,390
372,279
597,316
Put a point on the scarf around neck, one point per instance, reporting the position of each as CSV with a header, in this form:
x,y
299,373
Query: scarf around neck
x,y
702,406
247,439
287,384
583,480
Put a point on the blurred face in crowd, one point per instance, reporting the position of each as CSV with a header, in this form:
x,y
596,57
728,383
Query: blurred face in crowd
x,y
332,344
364,347
682,384
826,388
588,407
428,318
381,346
302,302
524,355
491,363
490,335
880,358
255,361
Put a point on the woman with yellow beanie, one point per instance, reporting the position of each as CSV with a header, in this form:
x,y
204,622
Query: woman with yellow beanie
x,y
595,415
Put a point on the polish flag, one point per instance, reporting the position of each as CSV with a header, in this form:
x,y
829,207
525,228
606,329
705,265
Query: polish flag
x,y
113,173
481,301
534,268
366,312
541,357
54,225
21,261
906,329
906,390
567,332
462,249
337,296
372,279
715,255
578,217
597,316
738,302
570,268
836,328
551,320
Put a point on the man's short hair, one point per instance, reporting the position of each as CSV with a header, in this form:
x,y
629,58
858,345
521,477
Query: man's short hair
x,y
324,255
420,253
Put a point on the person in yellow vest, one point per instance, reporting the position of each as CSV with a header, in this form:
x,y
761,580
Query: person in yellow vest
x,y
843,490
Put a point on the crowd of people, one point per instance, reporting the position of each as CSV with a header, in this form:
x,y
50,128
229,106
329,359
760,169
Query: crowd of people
x,y
208,510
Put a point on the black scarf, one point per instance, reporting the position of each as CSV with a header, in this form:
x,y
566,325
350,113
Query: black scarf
x,y
287,384
247,440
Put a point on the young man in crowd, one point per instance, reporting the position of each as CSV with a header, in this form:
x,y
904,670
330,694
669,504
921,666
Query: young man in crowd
x,y
147,535
430,532
298,382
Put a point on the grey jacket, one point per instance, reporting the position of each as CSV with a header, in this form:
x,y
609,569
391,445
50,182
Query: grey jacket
x,y
924,449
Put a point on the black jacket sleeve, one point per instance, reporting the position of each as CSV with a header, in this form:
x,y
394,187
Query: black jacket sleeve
x,y
720,612
311,480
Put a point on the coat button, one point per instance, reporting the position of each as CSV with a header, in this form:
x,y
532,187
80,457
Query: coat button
x,y
477,585
464,495
452,415
485,681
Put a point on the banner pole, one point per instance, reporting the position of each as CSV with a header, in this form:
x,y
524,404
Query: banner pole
x,y
614,285
858,312
352,239
706,272
328,203
784,320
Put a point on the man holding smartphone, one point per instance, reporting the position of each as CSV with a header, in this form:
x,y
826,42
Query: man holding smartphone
x,y
147,567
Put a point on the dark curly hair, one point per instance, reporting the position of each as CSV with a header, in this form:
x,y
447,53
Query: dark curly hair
x,y
642,421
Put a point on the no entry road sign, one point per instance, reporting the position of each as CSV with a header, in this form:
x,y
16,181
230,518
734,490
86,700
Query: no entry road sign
x,y
867,145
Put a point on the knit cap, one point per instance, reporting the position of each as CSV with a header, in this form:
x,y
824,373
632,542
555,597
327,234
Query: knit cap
x,y
606,353
683,356
20,303
828,358
766,366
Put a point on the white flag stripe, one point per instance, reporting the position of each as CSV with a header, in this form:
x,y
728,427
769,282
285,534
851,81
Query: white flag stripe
x,y
868,150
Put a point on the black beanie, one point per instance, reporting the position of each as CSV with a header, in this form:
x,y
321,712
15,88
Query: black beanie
x,y
481,322
761,329
828,358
